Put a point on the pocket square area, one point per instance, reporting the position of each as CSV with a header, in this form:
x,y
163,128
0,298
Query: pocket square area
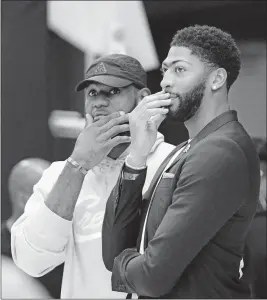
x,y
167,175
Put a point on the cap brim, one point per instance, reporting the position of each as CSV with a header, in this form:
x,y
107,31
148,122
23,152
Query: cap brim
x,y
104,79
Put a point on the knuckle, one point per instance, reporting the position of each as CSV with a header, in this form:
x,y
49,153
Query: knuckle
x,y
115,115
112,122
99,138
113,130
146,98
120,128
100,130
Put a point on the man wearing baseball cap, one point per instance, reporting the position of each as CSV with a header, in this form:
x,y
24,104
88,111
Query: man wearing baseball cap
x,y
116,70
63,218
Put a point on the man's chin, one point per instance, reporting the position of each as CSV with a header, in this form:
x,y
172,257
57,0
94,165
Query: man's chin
x,y
177,116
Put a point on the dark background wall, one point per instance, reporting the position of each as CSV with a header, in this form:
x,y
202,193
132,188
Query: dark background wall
x,y
64,68
39,73
24,106
40,70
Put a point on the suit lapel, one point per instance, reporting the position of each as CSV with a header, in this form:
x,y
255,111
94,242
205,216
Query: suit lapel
x,y
147,196
154,181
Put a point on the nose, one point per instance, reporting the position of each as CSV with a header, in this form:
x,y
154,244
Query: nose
x,y
100,101
166,81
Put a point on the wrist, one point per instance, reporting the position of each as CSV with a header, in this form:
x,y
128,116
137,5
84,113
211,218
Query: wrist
x,y
80,160
74,164
136,161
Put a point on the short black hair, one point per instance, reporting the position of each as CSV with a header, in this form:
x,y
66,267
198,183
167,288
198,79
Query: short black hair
x,y
213,46
261,147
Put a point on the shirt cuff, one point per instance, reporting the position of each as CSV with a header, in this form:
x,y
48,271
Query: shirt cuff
x,y
46,223
134,168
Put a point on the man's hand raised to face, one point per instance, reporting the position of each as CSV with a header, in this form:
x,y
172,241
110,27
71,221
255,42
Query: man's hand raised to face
x,y
98,138
144,121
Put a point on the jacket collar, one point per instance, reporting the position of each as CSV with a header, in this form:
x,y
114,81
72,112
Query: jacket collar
x,y
215,124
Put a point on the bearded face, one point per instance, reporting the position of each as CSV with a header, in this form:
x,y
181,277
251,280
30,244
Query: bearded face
x,y
185,105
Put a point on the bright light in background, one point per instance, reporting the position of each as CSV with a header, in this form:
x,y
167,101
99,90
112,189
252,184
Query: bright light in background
x,y
104,27
66,124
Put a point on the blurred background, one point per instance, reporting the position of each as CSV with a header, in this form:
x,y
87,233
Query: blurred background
x,y
48,45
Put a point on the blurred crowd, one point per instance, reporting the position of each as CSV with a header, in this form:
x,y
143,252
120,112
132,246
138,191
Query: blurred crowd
x,y
24,175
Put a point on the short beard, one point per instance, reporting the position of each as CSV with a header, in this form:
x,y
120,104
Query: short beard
x,y
189,103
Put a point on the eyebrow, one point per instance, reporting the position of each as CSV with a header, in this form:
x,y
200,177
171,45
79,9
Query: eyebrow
x,y
174,62
100,88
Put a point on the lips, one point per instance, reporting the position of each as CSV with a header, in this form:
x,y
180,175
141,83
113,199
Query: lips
x,y
97,115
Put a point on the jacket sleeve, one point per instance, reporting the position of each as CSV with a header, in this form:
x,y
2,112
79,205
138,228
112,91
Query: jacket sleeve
x,y
122,215
213,184
39,236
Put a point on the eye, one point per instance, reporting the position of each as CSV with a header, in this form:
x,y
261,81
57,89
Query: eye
x,y
163,70
179,69
92,93
114,91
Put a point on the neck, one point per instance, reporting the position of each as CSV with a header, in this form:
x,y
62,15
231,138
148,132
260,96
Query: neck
x,y
205,115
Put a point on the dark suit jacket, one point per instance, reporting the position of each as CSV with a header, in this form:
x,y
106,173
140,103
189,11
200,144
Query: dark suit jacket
x,y
255,257
197,222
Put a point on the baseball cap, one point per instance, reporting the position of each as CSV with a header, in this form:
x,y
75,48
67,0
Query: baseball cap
x,y
116,70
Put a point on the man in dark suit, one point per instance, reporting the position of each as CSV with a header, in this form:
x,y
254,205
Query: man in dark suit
x,y
185,237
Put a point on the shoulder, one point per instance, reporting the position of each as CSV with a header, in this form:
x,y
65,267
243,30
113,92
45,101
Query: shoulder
x,y
218,147
217,155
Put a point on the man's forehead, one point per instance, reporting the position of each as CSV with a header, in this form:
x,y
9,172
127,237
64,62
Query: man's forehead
x,y
179,53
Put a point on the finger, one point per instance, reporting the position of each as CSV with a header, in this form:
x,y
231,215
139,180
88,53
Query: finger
x,y
105,119
115,130
158,119
119,140
154,97
88,120
152,112
116,121
160,92
158,103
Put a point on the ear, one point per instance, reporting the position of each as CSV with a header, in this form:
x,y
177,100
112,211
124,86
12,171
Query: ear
x,y
143,93
218,79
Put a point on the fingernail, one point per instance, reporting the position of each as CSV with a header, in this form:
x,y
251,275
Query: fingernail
x,y
122,113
